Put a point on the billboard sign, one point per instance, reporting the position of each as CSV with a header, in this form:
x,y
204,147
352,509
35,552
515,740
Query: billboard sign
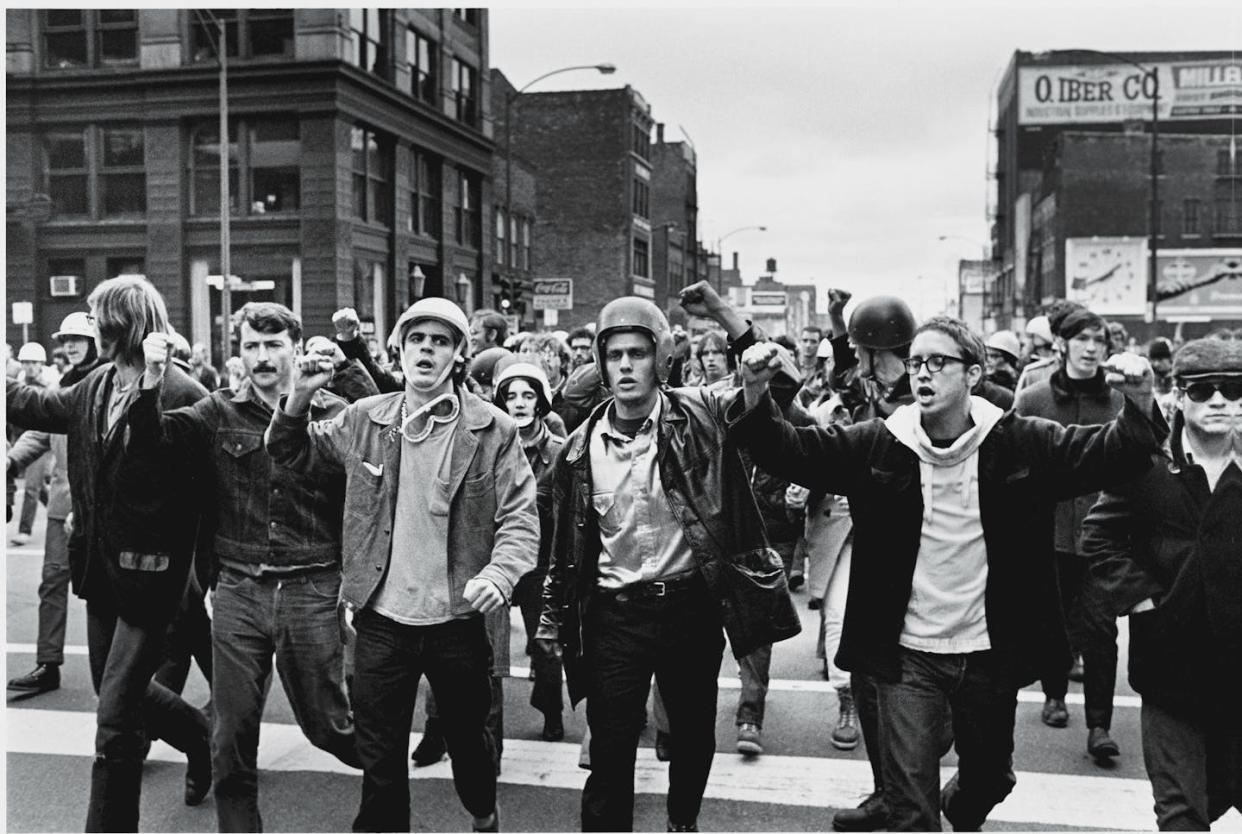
x,y
1096,93
1199,283
554,294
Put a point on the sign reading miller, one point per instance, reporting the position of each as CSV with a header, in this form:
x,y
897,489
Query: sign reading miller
x,y
1095,93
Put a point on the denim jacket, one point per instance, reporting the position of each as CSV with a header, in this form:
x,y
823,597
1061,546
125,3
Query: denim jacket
x,y
264,514
489,497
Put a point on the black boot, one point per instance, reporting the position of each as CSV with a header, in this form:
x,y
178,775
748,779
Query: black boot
x,y
871,815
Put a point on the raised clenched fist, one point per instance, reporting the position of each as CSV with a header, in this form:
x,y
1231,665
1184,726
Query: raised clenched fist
x,y
347,324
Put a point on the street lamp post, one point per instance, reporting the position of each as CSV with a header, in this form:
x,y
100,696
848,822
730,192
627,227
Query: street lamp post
x,y
1153,225
220,45
510,99
720,249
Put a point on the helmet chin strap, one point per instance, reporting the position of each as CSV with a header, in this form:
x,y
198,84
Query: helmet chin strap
x,y
448,369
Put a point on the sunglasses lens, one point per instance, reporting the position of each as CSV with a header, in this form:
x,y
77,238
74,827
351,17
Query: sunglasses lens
x,y
1231,390
1200,392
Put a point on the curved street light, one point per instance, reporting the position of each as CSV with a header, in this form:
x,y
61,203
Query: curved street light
x,y
720,248
510,98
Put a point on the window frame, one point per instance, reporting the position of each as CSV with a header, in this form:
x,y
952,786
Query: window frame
x,y
94,171
465,101
424,217
83,172
372,52
423,82
239,33
1192,217
377,183
92,29
466,216
645,257
130,170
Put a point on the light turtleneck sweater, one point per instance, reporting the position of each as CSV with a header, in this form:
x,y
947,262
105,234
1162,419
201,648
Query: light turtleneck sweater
x,y
946,613
1213,466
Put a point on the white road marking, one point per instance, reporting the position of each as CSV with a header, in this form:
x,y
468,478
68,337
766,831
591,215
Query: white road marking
x,y
521,672
1040,798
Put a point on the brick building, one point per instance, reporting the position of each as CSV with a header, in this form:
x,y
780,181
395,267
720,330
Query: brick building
x,y
675,217
360,147
513,266
1073,155
592,154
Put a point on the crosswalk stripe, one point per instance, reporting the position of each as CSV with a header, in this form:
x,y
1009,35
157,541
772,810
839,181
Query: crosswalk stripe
x,y
1039,799
728,682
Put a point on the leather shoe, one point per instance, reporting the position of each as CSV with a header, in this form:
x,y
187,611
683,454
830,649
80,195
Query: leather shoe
x,y
553,728
1075,672
198,773
1055,714
749,740
677,826
492,824
1101,745
44,678
871,815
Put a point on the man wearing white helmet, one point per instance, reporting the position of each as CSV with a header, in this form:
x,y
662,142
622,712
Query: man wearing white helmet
x,y
440,523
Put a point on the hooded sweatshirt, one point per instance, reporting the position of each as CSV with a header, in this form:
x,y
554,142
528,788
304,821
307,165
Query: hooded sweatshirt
x,y
946,613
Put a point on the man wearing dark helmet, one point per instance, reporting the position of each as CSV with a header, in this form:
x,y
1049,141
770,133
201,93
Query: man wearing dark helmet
x,y
656,545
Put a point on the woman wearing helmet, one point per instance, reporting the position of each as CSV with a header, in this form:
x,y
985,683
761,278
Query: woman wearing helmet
x,y
522,390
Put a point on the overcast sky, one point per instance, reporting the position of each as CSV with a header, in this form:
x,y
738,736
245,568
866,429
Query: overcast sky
x,y
857,133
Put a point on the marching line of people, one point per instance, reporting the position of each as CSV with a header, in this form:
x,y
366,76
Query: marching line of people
x,y
645,497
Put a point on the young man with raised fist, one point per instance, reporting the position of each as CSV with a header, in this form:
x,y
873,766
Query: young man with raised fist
x,y
440,523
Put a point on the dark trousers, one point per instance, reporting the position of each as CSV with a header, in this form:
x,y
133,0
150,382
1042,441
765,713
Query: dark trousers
x,y
389,660
495,724
35,491
1093,634
294,619
132,711
53,595
679,639
982,697
188,639
545,696
1194,765
754,668
867,701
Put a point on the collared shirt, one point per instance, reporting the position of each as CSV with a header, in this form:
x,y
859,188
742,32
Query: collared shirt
x,y
642,539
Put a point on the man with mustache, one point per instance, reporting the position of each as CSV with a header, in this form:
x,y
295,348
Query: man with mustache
x,y
276,551
1164,550
952,590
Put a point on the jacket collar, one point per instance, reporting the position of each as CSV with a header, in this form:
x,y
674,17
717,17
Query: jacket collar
x,y
475,414
578,442
1062,392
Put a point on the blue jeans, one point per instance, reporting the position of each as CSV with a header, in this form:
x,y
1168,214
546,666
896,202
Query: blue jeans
x,y
982,696
293,618
389,660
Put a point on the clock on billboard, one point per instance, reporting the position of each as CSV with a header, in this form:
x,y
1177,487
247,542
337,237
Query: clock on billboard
x,y
1107,274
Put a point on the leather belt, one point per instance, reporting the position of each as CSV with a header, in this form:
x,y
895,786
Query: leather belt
x,y
652,590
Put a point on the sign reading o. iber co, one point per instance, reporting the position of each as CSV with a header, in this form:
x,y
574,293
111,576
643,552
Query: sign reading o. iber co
x,y
554,293
1094,93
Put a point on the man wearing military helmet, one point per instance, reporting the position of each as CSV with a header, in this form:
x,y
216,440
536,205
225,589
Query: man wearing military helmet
x,y
440,523
656,545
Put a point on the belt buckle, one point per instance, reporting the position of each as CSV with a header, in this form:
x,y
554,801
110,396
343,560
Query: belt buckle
x,y
658,589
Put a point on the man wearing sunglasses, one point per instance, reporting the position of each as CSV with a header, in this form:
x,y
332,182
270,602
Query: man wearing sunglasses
x,y
1166,550
440,523
952,590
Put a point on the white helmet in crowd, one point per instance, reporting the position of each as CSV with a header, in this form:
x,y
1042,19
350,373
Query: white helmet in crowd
x,y
1006,342
32,352
75,325
438,309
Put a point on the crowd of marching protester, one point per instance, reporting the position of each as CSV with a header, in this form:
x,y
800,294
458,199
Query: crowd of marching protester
x,y
967,517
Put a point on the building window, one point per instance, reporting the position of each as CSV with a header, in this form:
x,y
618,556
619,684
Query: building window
x,y
641,143
513,242
96,172
67,173
641,258
1228,214
465,83
500,236
84,38
370,33
424,194
264,174
642,198
419,52
1224,162
470,16
526,243
466,213
248,33
372,166
122,174
1190,218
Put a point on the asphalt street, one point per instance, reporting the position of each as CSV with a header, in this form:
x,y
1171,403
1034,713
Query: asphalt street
x,y
794,786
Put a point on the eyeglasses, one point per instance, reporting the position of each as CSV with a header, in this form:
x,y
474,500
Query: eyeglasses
x,y
1201,392
934,363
